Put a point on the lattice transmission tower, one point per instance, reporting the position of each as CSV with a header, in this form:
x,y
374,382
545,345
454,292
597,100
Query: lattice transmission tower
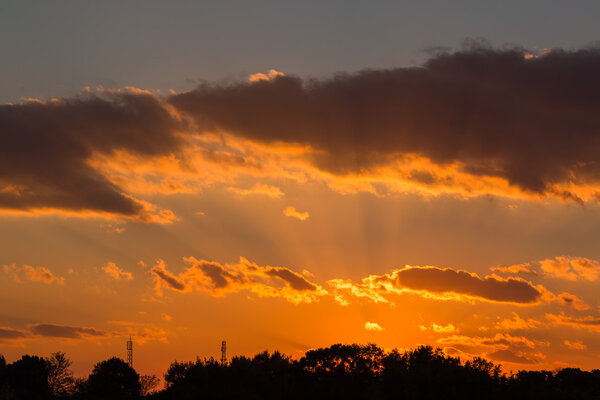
x,y
130,352
223,352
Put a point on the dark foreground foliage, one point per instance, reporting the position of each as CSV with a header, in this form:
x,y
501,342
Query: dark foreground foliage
x,y
337,372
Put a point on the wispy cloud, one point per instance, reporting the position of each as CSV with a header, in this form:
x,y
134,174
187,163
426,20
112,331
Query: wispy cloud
x,y
259,189
141,333
517,323
524,268
115,272
500,347
30,273
589,322
11,334
574,345
513,357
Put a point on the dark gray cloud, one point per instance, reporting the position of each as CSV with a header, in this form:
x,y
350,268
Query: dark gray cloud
x,y
9,333
511,357
442,280
442,284
530,120
219,277
44,149
168,278
65,331
293,279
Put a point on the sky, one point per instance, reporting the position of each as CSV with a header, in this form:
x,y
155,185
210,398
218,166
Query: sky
x,y
290,175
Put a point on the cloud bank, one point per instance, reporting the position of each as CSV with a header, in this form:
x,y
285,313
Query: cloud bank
x,y
476,121
488,113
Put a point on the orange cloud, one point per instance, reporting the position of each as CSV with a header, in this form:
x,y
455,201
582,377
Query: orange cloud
x,y
570,300
115,272
588,322
572,269
524,268
444,328
36,274
500,340
221,279
41,274
501,347
141,333
517,323
343,289
373,326
574,345
145,213
259,189
292,212
258,77
440,328
206,160
514,357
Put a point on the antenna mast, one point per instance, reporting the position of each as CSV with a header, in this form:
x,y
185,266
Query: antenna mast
x,y
223,352
130,352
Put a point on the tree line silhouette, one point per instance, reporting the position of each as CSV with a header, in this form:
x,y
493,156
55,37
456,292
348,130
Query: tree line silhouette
x,y
339,371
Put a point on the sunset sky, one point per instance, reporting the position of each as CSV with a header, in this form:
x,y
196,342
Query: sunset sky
x,y
290,175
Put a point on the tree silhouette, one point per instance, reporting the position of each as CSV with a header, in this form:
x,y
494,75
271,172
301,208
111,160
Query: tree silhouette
x,y
60,376
347,371
190,380
148,383
79,389
6,393
113,379
339,371
2,371
28,378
